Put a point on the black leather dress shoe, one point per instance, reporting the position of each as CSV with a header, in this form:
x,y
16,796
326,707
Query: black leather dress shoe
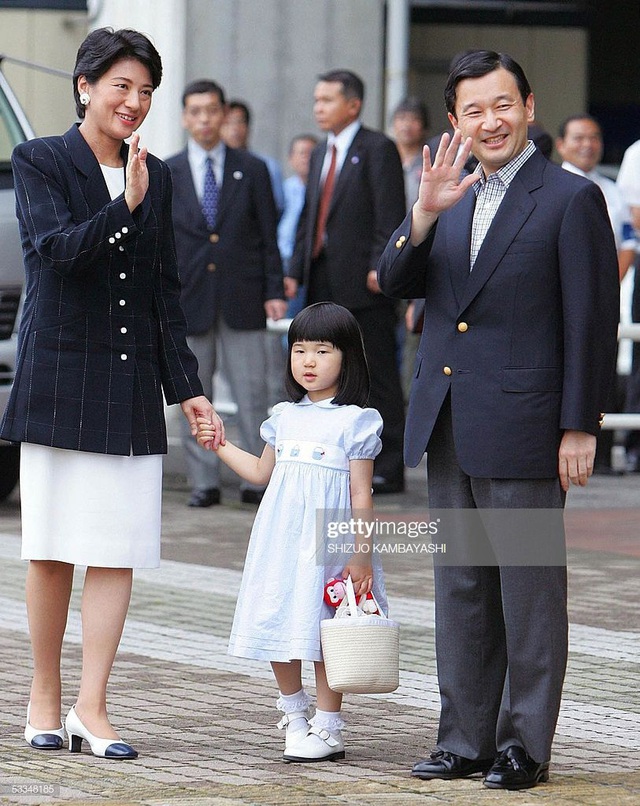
x,y
515,769
204,498
384,486
447,766
251,496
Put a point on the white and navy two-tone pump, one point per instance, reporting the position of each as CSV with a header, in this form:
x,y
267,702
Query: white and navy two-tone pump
x,y
49,739
103,748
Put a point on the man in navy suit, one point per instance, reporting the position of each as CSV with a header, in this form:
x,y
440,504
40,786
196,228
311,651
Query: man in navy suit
x,y
517,266
231,274
335,256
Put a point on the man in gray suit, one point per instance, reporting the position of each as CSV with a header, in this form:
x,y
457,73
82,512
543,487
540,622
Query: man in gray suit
x,y
517,266
231,273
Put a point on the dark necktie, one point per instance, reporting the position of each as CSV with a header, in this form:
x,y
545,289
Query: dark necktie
x,y
325,201
210,195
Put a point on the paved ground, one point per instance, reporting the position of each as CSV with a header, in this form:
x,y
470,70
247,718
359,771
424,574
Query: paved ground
x,y
204,723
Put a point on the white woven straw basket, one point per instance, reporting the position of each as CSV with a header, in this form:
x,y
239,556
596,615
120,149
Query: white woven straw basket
x,y
361,652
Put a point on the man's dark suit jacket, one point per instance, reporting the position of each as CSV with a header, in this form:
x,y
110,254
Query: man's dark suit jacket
x,y
235,268
367,204
102,333
526,342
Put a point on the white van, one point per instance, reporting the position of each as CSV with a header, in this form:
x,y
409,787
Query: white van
x,y
14,128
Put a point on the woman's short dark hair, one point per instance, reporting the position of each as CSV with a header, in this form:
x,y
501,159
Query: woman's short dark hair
x,y
104,47
477,63
326,321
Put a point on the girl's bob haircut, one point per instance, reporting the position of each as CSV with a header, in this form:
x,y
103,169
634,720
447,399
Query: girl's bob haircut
x,y
326,321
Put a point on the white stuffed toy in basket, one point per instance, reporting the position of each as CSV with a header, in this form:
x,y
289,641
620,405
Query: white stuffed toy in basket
x,y
361,652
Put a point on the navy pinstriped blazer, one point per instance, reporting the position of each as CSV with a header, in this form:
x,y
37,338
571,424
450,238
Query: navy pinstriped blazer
x,y
102,333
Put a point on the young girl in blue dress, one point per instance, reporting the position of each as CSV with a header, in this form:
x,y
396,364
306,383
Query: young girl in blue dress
x,y
318,462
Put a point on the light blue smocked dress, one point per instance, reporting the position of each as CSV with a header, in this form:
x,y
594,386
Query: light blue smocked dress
x,y
280,604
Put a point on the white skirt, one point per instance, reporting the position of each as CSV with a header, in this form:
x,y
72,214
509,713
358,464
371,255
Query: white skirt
x,y
90,509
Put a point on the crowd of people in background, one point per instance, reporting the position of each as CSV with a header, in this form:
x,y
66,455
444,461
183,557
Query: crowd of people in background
x,y
394,331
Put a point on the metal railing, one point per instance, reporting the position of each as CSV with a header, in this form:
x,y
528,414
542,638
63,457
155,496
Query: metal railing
x,y
54,71
624,420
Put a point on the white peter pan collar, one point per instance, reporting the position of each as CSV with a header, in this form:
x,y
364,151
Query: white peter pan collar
x,y
324,404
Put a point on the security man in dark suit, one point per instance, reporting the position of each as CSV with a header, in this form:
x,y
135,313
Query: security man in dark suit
x,y
342,233
231,272
517,266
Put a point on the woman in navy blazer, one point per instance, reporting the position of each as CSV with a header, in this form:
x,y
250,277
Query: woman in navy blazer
x,y
101,338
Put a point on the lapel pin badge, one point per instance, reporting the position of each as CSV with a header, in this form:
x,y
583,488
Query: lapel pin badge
x,y
237,174
355,159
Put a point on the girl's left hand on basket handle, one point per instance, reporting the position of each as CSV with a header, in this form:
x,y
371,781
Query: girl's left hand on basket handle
x,y
361,576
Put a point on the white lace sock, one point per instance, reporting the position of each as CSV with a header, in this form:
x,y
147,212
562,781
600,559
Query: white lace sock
x,y
329,720
292,704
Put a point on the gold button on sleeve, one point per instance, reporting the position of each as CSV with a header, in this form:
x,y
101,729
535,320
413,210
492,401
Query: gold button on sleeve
x,y
211,267
447,370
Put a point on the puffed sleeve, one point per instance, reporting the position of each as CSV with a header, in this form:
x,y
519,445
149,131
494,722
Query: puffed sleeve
x,y
269,426
362,438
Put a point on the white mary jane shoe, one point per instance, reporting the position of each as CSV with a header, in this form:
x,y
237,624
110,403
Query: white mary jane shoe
x,y
294,734
43,739
318,745
103,748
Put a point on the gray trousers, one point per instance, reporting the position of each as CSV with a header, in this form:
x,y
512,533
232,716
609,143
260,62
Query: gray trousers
x,y
243,357
501,630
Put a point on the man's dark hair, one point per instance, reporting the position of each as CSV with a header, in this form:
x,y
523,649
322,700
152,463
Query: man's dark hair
x,y
201,86
298,138
477,63
562,131
413,106
104,47
352,85
236,103
334,324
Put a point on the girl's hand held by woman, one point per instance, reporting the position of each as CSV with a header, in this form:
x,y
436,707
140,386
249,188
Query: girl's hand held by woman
x,y
206,434
199,410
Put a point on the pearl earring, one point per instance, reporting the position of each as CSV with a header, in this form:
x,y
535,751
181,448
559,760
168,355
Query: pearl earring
x,y
84,98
